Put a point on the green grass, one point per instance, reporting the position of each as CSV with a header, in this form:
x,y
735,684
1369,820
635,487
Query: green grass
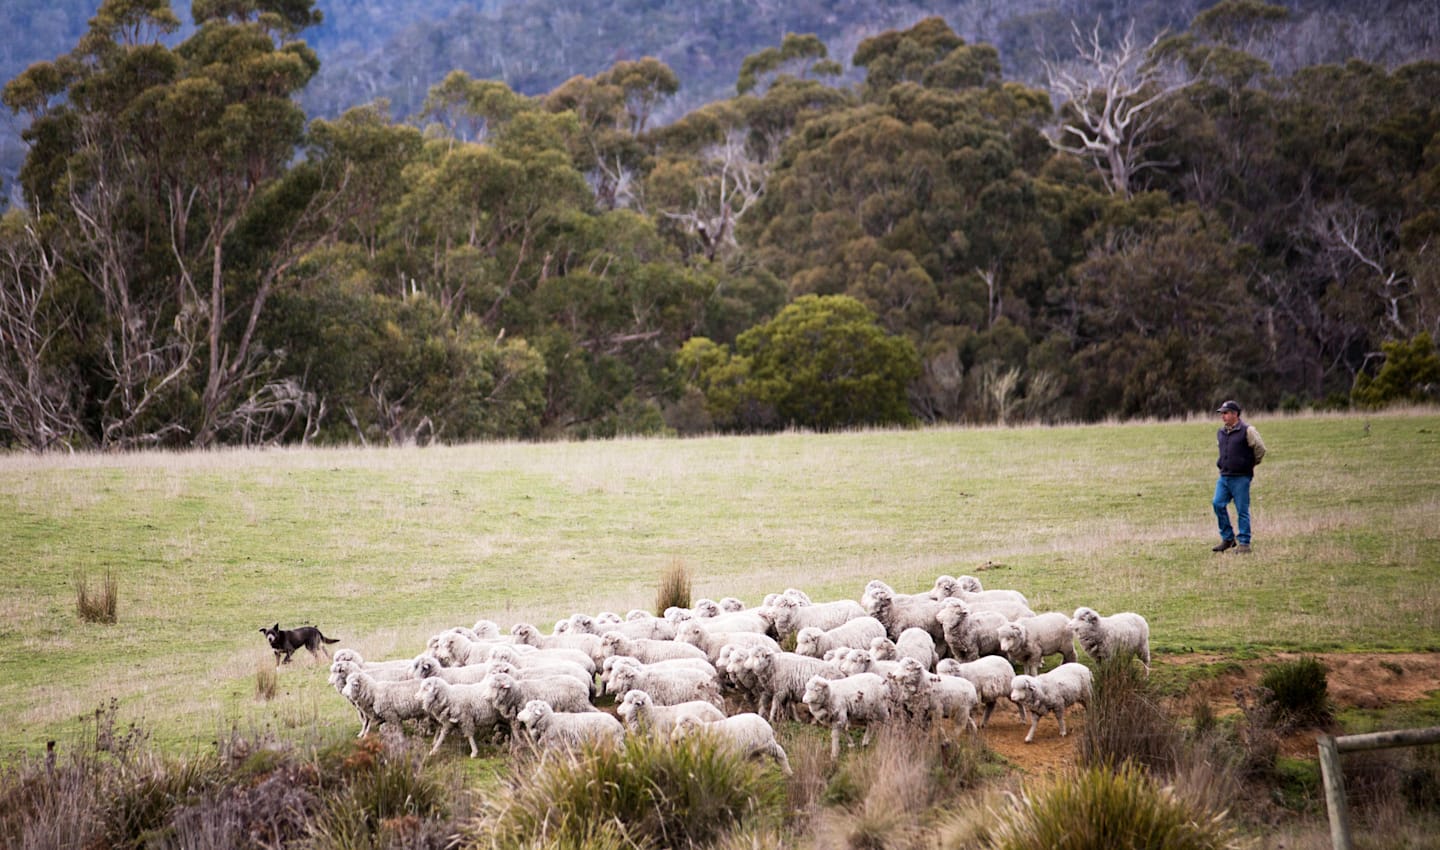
x,y
383,548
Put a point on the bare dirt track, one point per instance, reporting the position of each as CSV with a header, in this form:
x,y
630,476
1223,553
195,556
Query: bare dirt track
x,y
1358,680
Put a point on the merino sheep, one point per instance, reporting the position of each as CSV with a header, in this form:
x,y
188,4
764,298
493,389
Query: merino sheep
x,y
781,677
648,650
838,703
1051,692
901,611
1103,638
730,604
668,686
455,649
509,694
790,616
749,620
391,670
969,634
925,698
747,733
1028,640
990,675
699,665
640,713
694,634
546,662
383,702
462,705
644,626
429,667
863,661
549,729
919,645
736,678
526,633
969,589
855,634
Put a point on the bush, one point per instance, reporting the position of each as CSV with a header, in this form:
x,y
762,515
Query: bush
x,y
101,607
1108,809
1124,720
1297,693
654,793
674,590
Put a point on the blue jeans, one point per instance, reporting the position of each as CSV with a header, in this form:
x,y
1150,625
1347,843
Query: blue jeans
x,y
1234,488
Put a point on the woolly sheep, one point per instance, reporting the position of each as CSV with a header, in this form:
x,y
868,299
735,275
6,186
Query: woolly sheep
x,y
969,634
648,650
790,617
749,620
549,729
919,645
1028,640
953,698
923,697
710,642
706,608
343,664
899,611
697,664
856,634
736,678
383,702
429,667
391,670
1051,692
838,703
1104,637
462,705
546,662
644,626
862,661
588,644
454,649
747,733
489,630
990,675
781,677
666,687
639,712
969,589
730,604
509,694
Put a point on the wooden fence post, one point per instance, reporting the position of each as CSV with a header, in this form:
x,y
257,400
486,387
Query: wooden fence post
x,y
1334,780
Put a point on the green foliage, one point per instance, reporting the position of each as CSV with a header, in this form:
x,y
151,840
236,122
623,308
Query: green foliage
x,y
1126,721
1298,693
1411,373
655,792
1109,809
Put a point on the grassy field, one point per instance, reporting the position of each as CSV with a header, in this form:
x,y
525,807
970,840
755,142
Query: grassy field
x,y
383,548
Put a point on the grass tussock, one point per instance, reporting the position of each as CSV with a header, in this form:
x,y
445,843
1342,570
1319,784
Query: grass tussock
x,y
1298,693
267,682
100,605
649,793
1099,808
1125,720
675,588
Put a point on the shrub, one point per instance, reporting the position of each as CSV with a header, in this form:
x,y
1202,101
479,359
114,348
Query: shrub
x,y
654,792
1108,809
1297,693
1124,720
674,590
267,682
101,607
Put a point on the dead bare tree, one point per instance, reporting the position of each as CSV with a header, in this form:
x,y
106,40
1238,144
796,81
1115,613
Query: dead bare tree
x,y
1116,99
1353,240
732,182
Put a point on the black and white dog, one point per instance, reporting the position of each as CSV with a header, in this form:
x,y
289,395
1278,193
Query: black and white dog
x,y
286,641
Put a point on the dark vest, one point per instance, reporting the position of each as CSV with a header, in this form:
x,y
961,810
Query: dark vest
x,y
1236,456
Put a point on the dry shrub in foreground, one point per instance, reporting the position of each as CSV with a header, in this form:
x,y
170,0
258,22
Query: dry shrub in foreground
x,y
1126,721
674,589
99,607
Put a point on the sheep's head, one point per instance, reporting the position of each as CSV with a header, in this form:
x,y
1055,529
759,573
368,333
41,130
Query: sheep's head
x,y
354,685
525,633
1012,636
691,632
1021,688
1085,618
430,691
424,666
534,713
817,691
759,659
882,648
969,584
945,586
953,613
807,640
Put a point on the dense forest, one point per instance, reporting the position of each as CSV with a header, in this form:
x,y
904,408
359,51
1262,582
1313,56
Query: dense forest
x,y
895,229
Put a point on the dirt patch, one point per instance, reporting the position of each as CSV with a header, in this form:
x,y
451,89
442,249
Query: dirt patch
x,y
1355,680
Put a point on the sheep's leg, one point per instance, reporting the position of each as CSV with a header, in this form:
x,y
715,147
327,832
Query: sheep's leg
x,y
835,740
1034,721
985,720
439,738
1060,717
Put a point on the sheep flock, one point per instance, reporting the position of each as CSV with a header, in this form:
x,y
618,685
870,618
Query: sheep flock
x,y
941,656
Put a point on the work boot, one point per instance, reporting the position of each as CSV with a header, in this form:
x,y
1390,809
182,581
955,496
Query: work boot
x,y
1223,545
1242,549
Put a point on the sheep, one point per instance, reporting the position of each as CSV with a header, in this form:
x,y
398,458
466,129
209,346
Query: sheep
x,y
969,634
696,665
644,626
856,634
648,650
863,698
1103,638
735,677
706,608
781,677
489,630
383,702
916,644
900,611
749,620
1027,641
990,675
348,661
545,662
710,642
549,729
924,697
730,604
862,661
429,667
666,687
790,617
509,694
462,705
747,733
969,589
953,698
392,670
1008,608
454,648
1051,692
588,644
639,712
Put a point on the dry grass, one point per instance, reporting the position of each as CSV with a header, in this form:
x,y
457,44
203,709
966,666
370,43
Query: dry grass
x,y
100,605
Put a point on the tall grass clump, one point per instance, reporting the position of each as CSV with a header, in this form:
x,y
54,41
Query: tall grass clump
x,y
1125,720
1099,808
1297,692
648,793
674,589
101,605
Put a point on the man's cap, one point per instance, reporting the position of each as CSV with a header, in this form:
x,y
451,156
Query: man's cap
x,y
1229,405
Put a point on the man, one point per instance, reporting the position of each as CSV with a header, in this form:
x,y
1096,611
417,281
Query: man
x,y
1241,450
